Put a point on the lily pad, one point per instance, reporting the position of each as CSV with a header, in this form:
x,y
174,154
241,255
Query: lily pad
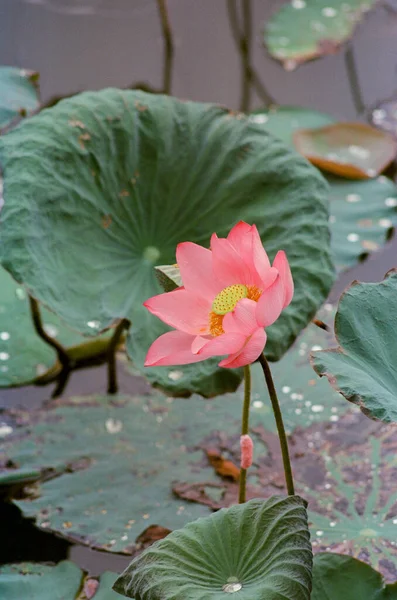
x,y
363,368
260,549
363,213
103,186
96,445
284,121
303,30
303,398
19,94
135,445
336,576
331,148
64,581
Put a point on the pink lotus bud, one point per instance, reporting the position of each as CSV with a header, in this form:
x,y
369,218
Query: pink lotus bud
x,y
247,451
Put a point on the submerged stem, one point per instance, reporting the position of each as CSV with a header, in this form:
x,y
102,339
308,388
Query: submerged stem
x,y
244,429
280,425
111,356
354,82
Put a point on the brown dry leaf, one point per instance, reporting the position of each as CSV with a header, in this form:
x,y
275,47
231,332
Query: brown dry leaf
x,y
351,150
223,467
151,534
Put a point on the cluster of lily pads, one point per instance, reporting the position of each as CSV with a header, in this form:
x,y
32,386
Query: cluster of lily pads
x,y
98,191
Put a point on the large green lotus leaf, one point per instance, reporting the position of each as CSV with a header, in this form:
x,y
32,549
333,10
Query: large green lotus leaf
x,y
65,581
136,446
19,95
23,355
97,445
302,30
336,576
362,213
103,186
260,550
362,368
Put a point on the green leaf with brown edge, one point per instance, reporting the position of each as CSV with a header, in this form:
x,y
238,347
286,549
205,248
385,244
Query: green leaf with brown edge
x,y
350,150
303,30
363,366
336,576
260,549
103,186
19,95
363,213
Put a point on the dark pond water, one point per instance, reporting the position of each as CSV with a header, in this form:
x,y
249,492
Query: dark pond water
x,y
117,42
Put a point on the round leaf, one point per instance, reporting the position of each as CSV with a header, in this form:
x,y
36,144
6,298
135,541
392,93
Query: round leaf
x,y
260,549
103,186
19,94
302,30
363,213
362,368
336,576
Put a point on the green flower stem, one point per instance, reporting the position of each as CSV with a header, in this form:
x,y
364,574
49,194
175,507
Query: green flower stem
x,y
244,429
280,425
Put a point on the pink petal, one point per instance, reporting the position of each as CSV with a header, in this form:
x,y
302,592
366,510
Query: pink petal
x,y
247,242
248,354
282,265
271,303
226,343
242,319
195,263
172,348
198,343
182,310
228,266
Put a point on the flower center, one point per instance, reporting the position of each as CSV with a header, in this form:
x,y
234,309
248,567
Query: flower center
x,y
227,299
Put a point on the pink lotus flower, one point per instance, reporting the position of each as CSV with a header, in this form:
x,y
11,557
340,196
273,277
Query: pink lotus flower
x,y
229,295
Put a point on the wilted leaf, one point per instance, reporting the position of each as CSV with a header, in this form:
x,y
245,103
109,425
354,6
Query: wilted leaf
x,y
104,185
351,150
223,467
169,277
336,576
362,368
260,549
302,30
363,213
19,94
